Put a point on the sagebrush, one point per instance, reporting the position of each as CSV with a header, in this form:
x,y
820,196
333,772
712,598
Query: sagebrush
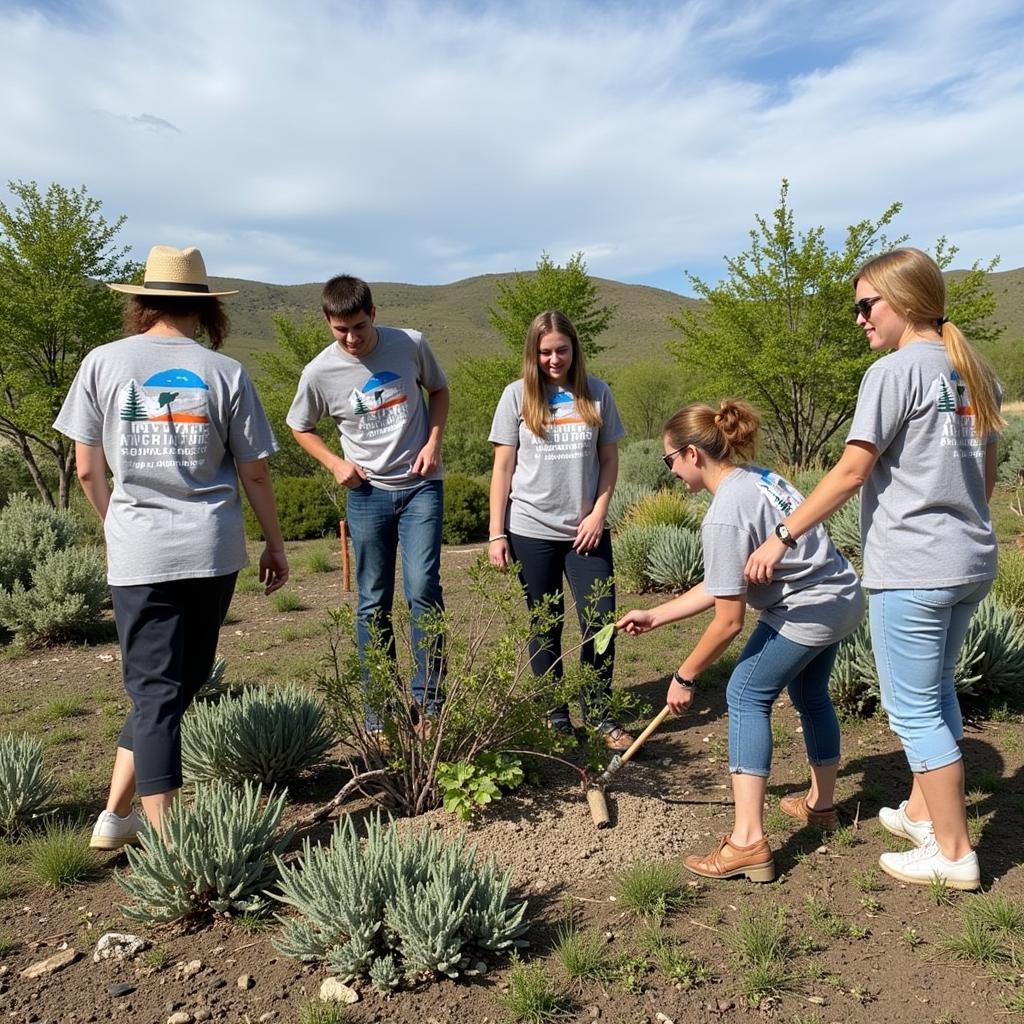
x,y
25,785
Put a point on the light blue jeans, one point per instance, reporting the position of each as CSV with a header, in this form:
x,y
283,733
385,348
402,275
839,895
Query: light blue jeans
x,y
380,523
916,636
768,664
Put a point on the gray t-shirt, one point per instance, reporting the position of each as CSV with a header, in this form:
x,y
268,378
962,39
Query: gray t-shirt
x,y
925,520
555,480
376,402
172,418
814,598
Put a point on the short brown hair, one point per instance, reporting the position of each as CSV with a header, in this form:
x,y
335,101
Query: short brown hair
x,y
345,295
143,311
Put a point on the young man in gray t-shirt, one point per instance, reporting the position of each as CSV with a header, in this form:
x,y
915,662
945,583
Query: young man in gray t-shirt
x,y
370,381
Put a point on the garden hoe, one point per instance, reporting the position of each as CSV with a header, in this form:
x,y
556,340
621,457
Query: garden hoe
x,y
595,790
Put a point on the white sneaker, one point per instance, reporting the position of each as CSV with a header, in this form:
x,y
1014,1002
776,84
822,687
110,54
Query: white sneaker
x,y
895,820
921,866
111,831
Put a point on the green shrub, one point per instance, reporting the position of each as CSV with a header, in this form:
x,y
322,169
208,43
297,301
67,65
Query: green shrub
x,y
424,902
466,510
30,531
624,497
466,788
64,599
991,660
25,785
676,558
631,551
287,601
218,854
667,507
844,528
268,735
1009,585
1011,452
61,856
641,463
321,559
307,506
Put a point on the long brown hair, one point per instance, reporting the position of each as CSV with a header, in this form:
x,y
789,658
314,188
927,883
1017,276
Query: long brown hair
x,y
535,401
141,312
726,435
911,282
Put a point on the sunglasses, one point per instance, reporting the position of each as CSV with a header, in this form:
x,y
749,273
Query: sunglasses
x,y
671,457
862,307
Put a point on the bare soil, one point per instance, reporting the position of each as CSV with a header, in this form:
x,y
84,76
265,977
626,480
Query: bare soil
x,y
672,801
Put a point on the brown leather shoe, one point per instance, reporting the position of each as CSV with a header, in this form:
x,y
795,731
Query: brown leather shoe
x,y
617,740
796,807
728,861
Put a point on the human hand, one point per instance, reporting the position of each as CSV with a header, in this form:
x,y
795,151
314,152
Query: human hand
x,y
428,459
761,564
588,533
499,554
679,698
273,569
348,474
636,622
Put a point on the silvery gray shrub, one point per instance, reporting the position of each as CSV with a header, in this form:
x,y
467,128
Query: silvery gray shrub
x,y
676,558
25,785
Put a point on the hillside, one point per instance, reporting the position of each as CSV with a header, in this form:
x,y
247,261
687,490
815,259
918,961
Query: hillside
x,y
454,316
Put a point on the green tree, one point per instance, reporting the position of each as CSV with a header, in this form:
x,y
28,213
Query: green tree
x,y
569,289
779,331
647,393
55,250
475,385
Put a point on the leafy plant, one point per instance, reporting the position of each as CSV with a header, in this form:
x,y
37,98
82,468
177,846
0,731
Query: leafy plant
x,y
466,509
269,734
676,558
217,854
467,787
307,507
25,785
423,902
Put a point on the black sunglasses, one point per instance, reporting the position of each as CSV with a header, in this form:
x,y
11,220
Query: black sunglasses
x,y
671,457
862,307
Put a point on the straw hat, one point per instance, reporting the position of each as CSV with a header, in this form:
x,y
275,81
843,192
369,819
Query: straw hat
x,y
170,271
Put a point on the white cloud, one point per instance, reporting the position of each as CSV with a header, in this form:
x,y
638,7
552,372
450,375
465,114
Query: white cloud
x,y
424,142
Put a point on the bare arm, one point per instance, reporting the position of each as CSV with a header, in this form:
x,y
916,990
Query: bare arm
x,y
346,473
91,467
255,477
429,457
720,632
591,527
836,488
693,602
498,552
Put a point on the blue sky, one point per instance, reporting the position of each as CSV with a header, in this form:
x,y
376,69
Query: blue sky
x,y
428,142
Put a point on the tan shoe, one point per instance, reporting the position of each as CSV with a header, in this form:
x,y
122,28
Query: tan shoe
x,y
617,740
729,861
796,807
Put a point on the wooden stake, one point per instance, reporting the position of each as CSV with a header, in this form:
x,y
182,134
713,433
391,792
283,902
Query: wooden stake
x,y
346,568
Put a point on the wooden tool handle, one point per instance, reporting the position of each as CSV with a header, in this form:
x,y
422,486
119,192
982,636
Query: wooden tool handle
x,y
642,738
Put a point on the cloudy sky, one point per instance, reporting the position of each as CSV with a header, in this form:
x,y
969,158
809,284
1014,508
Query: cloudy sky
x,y
430,141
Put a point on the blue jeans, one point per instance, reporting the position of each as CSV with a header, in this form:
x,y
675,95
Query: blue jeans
x,y
768,664
380,523
916,636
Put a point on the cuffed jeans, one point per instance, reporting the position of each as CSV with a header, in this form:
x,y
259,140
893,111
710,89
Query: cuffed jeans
x,y
916,636
542,564
768,664
380,522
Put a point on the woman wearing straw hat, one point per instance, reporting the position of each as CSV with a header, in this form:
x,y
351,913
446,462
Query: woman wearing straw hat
x,y
176,424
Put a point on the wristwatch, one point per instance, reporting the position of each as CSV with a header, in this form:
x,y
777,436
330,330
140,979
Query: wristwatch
x,y
686,684
785,536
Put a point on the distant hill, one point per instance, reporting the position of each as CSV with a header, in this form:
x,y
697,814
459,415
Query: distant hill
x,y
454,316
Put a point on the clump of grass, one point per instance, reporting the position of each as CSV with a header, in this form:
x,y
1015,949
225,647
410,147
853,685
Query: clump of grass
x,y
761,945
653,888
81,787
62,707
320,560
975,828
674,963
997,911
231,618
531,998
990,782
940,892
254,923
1014,1003
871,904
583,955
156,958
845,836
61,737
974,942
824,917
776,820
782,738
60,856
249,582
317,1012
287,601
909,937
868,881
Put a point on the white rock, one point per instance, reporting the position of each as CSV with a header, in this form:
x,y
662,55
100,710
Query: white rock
x,y
118,946
52,964
662,1019
181,1017
245,981
333,991
192,968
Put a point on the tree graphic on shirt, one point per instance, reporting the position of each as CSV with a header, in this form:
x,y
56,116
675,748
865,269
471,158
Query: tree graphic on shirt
x,y
166,398
946,402
133,409
359,407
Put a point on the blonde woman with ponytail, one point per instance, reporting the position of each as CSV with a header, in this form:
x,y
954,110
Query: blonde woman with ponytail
x,y
922,448
813,602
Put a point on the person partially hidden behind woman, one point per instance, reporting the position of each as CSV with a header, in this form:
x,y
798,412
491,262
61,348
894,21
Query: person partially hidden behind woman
x,y
813,602
176,425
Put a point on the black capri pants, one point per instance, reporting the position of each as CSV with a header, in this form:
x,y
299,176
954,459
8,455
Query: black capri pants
x,y
168,634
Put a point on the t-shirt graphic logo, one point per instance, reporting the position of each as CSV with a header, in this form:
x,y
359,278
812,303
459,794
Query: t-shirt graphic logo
x,y
781,494
562,409
170,396
952,396
382,391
